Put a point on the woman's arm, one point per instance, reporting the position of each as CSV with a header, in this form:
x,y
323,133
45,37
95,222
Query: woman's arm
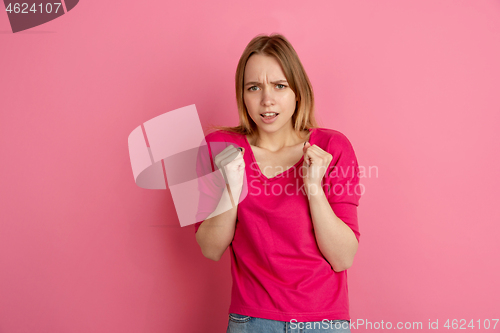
x,y
216,232
335,239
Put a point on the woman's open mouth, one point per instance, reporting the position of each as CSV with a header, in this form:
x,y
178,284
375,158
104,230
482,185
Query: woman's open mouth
x,y
269,117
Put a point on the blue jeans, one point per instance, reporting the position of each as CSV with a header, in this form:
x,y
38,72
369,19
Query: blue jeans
x,y
246,324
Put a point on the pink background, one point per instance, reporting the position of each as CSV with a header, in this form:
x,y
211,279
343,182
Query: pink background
x,y
414,85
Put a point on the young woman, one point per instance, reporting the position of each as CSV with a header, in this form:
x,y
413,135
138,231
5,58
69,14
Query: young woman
x,y
292,192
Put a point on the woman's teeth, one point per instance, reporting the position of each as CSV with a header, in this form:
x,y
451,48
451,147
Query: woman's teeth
x,y
269,114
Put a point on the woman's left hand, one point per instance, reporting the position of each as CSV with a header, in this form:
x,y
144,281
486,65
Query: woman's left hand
x,y
315,164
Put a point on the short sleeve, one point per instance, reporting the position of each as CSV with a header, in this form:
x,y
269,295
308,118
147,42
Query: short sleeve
x,y
209,184
341,184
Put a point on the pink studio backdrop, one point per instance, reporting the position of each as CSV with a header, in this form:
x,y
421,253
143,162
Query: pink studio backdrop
x,y
413,84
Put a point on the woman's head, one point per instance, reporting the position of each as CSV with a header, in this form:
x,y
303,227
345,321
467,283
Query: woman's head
x,y
264,60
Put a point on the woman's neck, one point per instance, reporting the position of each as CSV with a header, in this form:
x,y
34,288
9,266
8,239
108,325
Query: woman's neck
x,y
276,142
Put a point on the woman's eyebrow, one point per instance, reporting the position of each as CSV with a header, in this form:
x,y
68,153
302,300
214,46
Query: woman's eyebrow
x,y
257,83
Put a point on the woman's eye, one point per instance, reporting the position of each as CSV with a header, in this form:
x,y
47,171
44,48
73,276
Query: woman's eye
x,y
278,85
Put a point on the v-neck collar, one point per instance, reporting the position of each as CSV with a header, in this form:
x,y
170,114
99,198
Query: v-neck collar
x,y
281,174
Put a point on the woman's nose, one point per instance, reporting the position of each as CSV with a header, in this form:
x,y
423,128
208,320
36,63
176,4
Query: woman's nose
x,y
267,96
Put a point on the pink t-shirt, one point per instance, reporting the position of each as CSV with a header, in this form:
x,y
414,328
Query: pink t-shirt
x,y
278,271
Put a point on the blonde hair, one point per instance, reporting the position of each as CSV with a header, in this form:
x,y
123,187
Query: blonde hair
x,y
277,46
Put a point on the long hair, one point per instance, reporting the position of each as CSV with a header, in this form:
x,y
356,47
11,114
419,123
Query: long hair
x,y
277,46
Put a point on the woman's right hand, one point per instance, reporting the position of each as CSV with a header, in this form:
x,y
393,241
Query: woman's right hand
x,y
232,165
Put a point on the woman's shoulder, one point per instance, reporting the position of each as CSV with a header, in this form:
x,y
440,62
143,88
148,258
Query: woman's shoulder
x,y
224,136
331,138
329,132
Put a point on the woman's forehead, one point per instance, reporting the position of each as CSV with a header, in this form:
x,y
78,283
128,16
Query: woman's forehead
x,y
263,68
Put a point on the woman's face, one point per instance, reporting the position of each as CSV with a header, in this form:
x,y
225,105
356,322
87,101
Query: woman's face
x,y
265,90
